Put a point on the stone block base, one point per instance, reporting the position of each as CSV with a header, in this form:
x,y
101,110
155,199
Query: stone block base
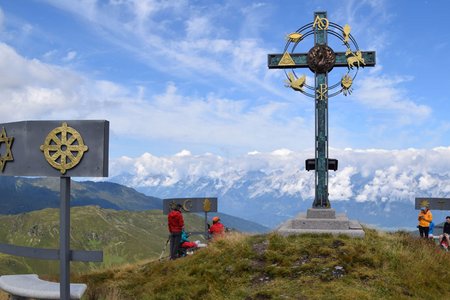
x,y
321,221
321,213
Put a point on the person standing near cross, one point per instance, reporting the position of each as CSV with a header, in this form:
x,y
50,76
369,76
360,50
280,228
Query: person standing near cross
x,y
425,218
175,223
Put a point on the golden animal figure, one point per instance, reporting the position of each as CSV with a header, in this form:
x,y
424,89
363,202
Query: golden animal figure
x,y
355,60
294,37
346,84
295,83
347,29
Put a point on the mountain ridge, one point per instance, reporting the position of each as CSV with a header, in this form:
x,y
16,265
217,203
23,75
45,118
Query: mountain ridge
x,y
21,194
377,187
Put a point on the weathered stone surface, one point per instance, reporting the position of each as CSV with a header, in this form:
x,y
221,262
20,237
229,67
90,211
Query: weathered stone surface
x,y
321,221
321,213
30,286
302,222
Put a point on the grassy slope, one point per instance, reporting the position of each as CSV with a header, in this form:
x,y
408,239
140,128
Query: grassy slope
x,y
124,236
381,266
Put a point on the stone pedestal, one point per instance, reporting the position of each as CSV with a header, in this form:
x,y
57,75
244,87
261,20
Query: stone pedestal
x,y
321,220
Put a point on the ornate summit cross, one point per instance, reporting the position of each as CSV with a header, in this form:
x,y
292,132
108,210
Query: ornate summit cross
x,y
321,59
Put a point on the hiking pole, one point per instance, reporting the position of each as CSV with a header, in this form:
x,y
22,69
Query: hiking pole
x,y
164,249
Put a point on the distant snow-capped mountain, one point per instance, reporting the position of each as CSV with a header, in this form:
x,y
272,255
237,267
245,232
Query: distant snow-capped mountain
x,y
377,187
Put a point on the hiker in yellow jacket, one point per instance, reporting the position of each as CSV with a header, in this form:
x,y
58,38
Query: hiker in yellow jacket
x,y
425,218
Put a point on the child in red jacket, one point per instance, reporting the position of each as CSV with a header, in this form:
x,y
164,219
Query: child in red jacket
x,y
217,228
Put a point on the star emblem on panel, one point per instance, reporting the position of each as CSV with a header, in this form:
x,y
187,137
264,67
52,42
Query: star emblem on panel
x,y
7,156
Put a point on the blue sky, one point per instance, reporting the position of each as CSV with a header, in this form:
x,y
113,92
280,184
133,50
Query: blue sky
x,y
174,75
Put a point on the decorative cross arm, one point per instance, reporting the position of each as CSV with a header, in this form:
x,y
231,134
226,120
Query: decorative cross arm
x,y
300,60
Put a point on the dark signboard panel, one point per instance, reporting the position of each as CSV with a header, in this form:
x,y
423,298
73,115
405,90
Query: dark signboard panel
x,y
194,205
72,148
433,203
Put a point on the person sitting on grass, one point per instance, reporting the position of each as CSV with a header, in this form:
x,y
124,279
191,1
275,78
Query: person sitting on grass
x,y
186,245
431,230
444,237
217,228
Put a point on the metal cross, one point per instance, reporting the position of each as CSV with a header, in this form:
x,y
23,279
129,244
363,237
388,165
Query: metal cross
x,y
321,59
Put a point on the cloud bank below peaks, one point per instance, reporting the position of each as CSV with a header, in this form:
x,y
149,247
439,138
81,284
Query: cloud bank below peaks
x,y
363,175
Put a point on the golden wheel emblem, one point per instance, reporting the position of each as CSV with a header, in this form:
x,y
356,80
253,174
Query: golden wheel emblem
x,y
63,148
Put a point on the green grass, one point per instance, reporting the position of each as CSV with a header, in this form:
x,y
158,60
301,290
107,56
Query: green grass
x,y
124,237
380,266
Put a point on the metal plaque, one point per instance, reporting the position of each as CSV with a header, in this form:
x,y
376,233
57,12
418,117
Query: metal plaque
x,y
194,205
72,148
433,203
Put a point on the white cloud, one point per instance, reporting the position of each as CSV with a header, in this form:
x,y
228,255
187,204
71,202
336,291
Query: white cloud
x,y
2,19
184,153
382,93
341,187
70,56
364,175
198,27
47,91
24,72
185,36
160,33
137,27
50,54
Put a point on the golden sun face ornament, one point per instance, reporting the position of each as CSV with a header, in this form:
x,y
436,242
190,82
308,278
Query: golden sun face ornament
x,y
424,203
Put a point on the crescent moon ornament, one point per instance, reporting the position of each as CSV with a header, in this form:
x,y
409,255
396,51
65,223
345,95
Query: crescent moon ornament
x,y
187,204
